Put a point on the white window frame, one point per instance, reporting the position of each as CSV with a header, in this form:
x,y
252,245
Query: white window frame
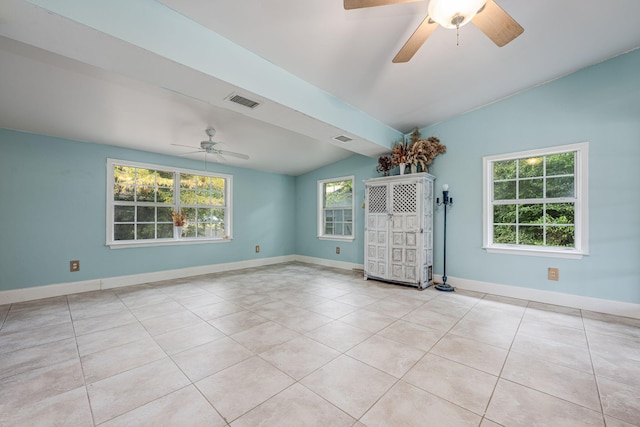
x,y
321,209
117,244
580,200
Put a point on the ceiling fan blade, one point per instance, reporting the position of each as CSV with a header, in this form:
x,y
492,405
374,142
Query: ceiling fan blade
x,y
359,4
497,24
182,145
417,39
232,154
191,152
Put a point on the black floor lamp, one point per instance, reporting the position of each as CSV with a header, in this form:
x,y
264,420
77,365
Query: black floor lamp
x,y
446,200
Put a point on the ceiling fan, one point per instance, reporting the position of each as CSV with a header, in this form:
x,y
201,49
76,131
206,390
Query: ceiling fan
x,y
208,147
490,18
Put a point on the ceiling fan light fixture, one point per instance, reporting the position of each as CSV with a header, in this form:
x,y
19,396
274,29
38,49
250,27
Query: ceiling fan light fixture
x,y
454,13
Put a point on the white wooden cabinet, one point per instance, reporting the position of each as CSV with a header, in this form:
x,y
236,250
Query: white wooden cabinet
x,y
398,244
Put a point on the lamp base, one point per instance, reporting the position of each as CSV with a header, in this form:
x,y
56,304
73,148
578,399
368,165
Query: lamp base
x,y
444,287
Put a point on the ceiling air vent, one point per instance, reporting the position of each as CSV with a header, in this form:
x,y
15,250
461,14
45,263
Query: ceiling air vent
x,y
342,138
245,102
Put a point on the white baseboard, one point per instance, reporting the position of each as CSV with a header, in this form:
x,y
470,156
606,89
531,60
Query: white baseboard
x,y
329,262
47,291
618,308
136,279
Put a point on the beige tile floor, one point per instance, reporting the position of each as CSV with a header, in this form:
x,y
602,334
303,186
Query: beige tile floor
x,y
301,345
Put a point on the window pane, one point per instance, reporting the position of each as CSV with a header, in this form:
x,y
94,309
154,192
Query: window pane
x,y
338,215
505,190
145,177
338,194
164,179
348,230
531,189
329,214
164,215
123,213
200,230
203,182
190,214
123,232
203,197
189,230
563,235
504,234
218,217
187,181
337,230
188,197
348,215
145,194
205,215
560,187
328,228
123,192
124,174
531,167
530,214
560,213
146,231
165,231
165,195
561,164
531,235
505,214
209,231
504,170
146,214
217,186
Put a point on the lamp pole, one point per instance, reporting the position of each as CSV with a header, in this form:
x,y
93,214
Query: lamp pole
x,y
446,200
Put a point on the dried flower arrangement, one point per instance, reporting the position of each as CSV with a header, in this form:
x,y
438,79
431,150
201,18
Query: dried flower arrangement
x,y
416,152
385,164
179,219
400,152
423,151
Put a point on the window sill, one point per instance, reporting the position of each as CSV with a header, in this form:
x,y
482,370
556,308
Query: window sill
x,y
340,239
533,251
168,242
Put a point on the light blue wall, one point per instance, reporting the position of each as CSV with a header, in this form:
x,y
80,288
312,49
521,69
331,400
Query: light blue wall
x,y
307,242
600,104
53,204
53,210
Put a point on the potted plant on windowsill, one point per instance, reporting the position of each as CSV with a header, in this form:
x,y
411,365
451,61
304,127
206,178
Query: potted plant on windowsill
x,y
179,220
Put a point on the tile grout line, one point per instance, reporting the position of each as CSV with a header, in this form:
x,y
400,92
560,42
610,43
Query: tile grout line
x,y
84,380
593,370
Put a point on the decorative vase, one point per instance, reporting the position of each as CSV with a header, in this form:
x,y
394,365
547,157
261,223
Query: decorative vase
x,y
177,231
414,168
402,166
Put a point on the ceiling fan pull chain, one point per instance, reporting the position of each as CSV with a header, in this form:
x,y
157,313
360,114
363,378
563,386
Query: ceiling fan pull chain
x,y
457,34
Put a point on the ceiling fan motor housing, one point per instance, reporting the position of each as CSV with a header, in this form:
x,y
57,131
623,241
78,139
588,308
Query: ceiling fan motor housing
x,y
207,145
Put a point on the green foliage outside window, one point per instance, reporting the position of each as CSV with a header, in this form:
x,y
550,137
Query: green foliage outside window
x,y
338,204
144,199
527,209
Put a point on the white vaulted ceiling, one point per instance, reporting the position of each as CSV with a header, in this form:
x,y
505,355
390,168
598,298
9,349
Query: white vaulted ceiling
x,y
145,74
